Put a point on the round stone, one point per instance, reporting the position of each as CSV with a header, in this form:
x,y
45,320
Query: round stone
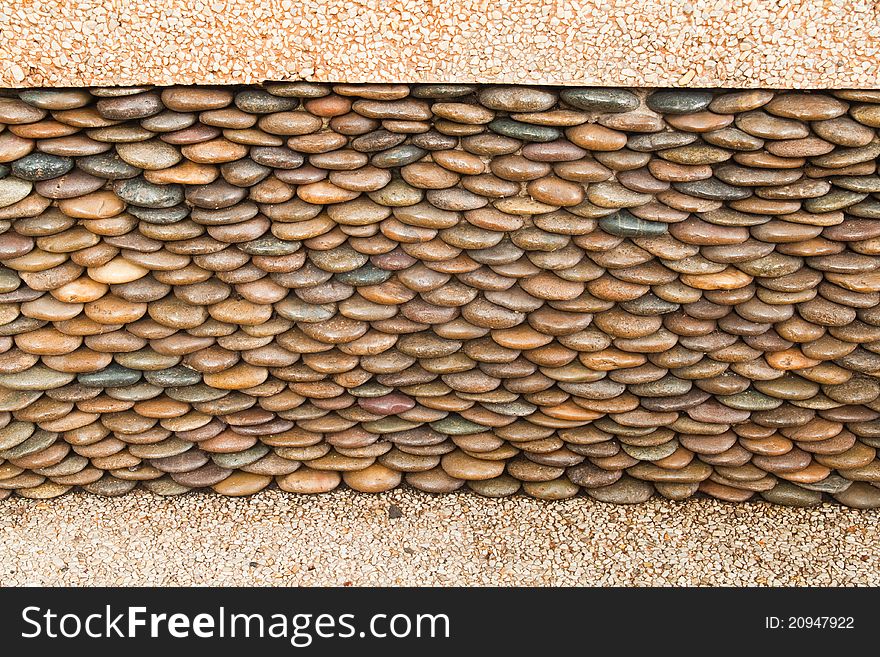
x,y
41,166
516,99
624,491
679,101
461,466
373,479
151,154
501,486
434,480
625,224
13,190
593,99
789,494
525,131
239,484
306,480
145,194
860,495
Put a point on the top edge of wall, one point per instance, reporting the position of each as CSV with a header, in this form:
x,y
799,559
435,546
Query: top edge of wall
x,y
797,44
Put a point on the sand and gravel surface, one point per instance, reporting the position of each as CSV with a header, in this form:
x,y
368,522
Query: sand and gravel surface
x,y
409,538
770,43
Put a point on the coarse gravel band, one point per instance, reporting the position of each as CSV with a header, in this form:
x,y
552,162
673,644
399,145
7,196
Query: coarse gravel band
x,y
732,43
409,538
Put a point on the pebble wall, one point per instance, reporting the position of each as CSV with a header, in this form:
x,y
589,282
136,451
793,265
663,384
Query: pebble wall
x,y
558,291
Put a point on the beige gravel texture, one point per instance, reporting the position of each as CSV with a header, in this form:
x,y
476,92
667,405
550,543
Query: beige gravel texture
x,y
348,539
769,43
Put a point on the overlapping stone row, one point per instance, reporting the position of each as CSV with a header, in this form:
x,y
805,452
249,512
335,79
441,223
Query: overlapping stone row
x,y
617,292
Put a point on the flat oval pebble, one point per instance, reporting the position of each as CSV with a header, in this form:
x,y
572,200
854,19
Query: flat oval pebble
x,y
372,479
13,190
306,480
679,102
239,484
517,99
461,466
624,491
600,100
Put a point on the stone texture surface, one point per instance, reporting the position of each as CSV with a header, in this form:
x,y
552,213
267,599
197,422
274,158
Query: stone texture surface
x,y
311,286
749,43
